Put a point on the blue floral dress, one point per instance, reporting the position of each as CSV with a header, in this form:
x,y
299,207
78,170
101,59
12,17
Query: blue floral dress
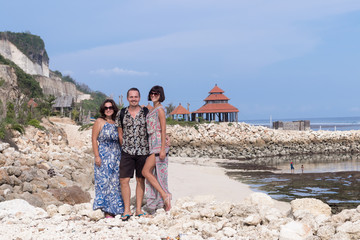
x,y
107,184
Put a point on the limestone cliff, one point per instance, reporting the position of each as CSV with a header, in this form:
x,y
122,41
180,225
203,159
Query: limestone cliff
x,y
11,52
53,85
28,52
9,89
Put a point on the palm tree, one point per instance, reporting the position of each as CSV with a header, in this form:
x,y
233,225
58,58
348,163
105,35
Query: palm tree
x,y
169,108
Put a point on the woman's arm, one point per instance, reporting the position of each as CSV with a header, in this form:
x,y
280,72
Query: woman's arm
x,y
95,133
162,121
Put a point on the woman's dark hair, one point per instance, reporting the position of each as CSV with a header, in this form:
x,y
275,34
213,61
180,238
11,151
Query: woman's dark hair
x,y
157,89
102,109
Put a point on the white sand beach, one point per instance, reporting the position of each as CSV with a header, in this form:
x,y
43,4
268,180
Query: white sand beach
x,y
191,180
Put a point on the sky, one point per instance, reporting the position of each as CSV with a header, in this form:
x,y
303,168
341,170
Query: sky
x,y
279,58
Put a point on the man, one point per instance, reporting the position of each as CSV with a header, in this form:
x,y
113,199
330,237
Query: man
x,y
131,123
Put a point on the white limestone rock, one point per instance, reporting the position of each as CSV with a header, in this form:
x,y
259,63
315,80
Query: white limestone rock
x,y
311,205
326,232
19,208
260,200
294,231
52,210
229,232
65,209
253,219
96,215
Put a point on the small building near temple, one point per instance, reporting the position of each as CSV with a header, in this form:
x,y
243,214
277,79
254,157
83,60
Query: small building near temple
x,y
63,103
217,108
180,111
32,104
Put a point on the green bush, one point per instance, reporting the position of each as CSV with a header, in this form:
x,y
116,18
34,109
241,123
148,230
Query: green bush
x,y
85,127
31,45
10,113
3,131
27,84
36,123
18,127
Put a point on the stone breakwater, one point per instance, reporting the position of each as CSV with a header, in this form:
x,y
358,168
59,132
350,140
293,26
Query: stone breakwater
x,y
201,217
45,170
244,141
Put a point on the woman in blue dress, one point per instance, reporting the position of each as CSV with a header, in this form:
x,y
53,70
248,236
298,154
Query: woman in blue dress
x,y
106,147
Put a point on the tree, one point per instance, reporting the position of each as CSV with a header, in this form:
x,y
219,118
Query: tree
x,y
169,108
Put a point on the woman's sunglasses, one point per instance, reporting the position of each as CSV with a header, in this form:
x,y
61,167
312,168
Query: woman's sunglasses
x,y
109,108
155,93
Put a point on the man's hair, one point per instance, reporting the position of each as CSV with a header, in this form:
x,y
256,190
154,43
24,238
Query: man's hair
x,y
132,89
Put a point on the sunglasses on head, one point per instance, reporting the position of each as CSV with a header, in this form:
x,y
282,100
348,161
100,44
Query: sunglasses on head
x,y
154,93
109,108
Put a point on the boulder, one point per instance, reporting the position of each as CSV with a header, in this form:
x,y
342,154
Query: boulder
x,y
20,208
295,231
70,195
311,205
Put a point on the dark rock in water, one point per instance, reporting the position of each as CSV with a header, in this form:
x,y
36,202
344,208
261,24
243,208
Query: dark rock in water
x,y
71,195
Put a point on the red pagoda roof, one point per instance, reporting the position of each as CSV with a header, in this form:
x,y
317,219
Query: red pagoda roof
x,y
217,108
32,103
215,97
179,110
216,89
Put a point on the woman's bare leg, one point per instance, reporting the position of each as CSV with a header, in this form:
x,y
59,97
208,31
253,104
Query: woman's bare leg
x,y
147,172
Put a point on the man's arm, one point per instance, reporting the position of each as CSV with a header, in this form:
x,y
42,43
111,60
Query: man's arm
x,y
120,130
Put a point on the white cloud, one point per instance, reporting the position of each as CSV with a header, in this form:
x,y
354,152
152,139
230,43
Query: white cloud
x,y
118,71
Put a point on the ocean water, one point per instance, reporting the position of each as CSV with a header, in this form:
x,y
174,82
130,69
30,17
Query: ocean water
x,y
329,124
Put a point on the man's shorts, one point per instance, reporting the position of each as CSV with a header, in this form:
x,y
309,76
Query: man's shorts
x,y
129,163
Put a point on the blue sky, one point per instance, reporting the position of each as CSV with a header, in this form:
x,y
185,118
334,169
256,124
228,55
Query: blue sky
x,y
287,59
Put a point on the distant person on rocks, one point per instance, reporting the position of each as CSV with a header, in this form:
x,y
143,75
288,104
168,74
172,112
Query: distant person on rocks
x,y
156,167
302,168
106,147
131,123
292,167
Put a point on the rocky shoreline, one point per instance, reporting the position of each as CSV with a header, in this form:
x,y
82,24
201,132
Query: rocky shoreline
x,y
244,141
55,178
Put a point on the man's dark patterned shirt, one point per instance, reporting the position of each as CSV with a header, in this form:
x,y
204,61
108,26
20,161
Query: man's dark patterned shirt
x,y
135,138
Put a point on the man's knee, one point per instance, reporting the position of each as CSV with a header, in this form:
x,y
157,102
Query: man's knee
x,y
124,181
140,180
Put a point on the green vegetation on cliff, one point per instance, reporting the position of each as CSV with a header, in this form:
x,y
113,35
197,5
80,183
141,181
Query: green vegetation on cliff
x,y
31,45
27,84
79,86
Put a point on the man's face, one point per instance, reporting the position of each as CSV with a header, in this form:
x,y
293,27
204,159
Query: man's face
x,y
133,98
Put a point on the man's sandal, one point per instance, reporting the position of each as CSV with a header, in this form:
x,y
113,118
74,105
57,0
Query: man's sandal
x,y
125,217
141,214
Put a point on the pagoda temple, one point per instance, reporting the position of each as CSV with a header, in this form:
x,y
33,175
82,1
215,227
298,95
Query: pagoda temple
x,y
217,108
180,111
